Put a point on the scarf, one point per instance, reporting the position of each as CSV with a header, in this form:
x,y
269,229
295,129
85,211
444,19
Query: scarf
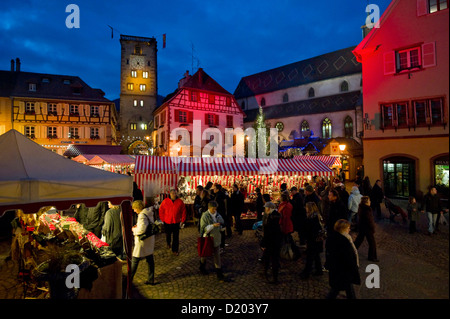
x,y
353,246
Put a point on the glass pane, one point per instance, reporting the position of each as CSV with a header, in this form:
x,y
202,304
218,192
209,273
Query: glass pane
x,y
420,112
436,111
414,58
387,110
443,4
401,114
403,60
433,6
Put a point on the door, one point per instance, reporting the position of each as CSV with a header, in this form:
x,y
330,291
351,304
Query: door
x,y
399,177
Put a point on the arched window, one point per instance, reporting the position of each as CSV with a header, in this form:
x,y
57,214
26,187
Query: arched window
x,y
304,126
348,127
326,128
285,98
311,92
344,86
263,102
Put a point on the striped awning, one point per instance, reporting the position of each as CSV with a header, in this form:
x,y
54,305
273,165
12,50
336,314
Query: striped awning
x,y
204,166
112,160
155,164
327,160
294,167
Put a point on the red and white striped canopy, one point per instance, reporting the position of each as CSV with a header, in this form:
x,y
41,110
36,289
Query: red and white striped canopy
x,y
327,160
294,167
115,159
204,166
155,164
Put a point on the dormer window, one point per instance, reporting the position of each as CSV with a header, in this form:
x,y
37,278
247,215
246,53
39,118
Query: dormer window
x,y
45,80
66,81
32,87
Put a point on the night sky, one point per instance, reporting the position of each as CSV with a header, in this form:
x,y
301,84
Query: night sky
x,y
231,39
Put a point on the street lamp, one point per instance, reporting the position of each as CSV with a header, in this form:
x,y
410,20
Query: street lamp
x,y
342,147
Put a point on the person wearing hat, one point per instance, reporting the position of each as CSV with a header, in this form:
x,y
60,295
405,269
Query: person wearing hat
x,y
271,241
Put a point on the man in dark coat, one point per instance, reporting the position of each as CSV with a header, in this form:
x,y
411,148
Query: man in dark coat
x,y
376,198
298,214
112,230
342,261
432,206
336,210
236,207
259,204
92,218
311,196
366,228
271,241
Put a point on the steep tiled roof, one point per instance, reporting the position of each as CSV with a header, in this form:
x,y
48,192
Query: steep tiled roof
x,y
322,67
326,104
66,87
202,81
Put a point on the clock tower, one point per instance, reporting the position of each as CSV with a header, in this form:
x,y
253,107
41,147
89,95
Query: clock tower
x,y
138,93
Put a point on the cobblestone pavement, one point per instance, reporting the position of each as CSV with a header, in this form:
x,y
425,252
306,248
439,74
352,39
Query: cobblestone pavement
x,y
412,266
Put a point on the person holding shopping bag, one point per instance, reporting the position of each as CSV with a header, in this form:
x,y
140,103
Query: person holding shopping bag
x,y
212,224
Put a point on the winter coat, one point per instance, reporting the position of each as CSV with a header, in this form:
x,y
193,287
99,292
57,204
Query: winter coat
x,y
208,219
376,195
172,212
285,209
298,211
432,204
336,210
366,223
112,230
272,234
413,212
311,231
92,218
341,261
354,199
143,248
221,198
236,204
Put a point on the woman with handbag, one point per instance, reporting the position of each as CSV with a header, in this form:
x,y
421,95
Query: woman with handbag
x,y
143,248
315,235
211,226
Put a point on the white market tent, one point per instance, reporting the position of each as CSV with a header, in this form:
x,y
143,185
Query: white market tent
x,y
31,174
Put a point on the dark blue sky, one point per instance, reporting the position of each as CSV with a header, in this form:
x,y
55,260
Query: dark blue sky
x,y
231,38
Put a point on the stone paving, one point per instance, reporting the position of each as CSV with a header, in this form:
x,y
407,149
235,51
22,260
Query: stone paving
x,y
412,266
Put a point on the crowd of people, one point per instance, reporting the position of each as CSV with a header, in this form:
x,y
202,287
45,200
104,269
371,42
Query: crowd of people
x,y
322,215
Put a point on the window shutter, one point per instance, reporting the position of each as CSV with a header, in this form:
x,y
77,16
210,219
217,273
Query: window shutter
x,y
59,132
422,7
177,116
21,107
216,119
428,55
44,108
190,117
66,109
389,63
82,108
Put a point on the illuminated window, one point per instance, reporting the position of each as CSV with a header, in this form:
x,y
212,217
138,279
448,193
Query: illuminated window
x,y
52,109
408,59
326,128
135,103
395,115
143,126
344,86
51,132
348,127
305,126
194,96
130,86
29,131
437,5
29,108
142,87
145,74
134,74
141,103
311,92
133,126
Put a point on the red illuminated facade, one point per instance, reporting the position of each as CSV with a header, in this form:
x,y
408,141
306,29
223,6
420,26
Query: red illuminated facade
x,y
406,91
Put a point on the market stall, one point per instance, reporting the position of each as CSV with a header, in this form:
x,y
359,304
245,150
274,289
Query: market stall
x,y
330,161
121,163
35,181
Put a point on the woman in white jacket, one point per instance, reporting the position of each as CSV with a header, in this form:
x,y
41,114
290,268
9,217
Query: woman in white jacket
x,y
143,248
353,203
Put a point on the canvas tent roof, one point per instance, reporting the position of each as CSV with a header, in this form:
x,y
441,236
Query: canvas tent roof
x,y
31,174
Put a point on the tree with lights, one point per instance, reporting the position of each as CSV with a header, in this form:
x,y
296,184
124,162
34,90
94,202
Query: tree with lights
x,y
260,123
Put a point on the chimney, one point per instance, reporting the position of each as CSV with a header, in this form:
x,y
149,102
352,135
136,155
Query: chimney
x,y
17,64
12,65
184,80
